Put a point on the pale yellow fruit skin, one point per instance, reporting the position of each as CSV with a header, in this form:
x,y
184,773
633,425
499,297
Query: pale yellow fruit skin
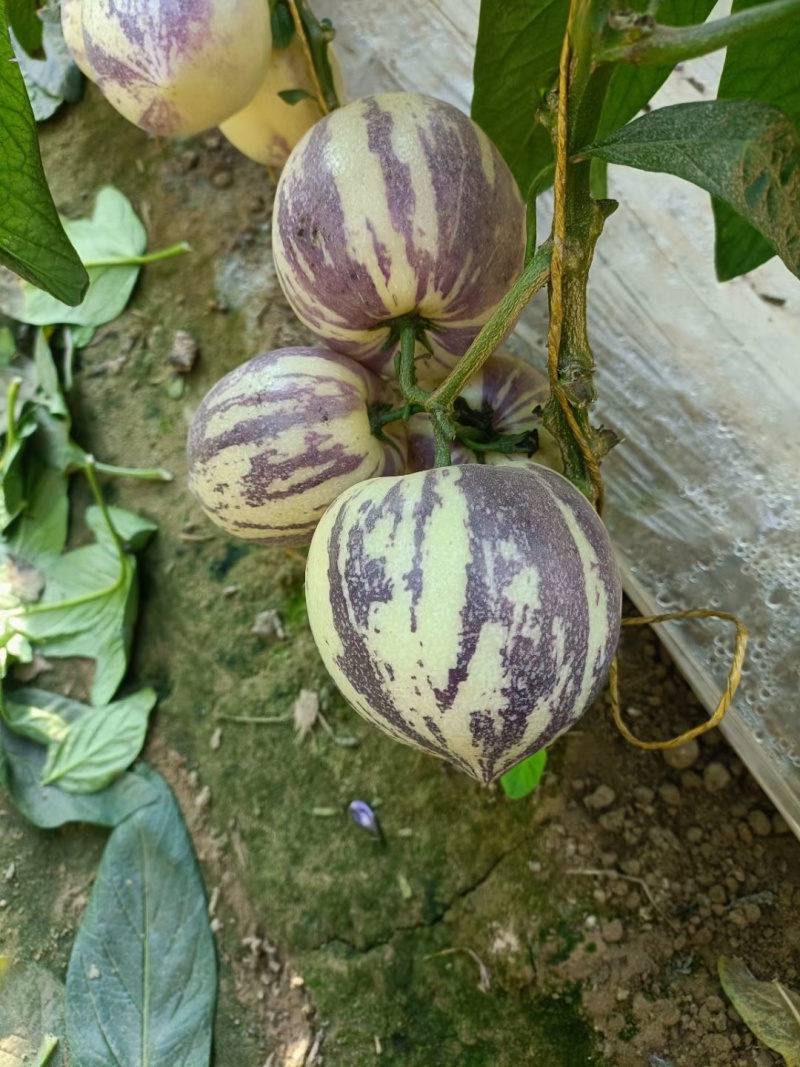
x,y
72,28
177,67
267,129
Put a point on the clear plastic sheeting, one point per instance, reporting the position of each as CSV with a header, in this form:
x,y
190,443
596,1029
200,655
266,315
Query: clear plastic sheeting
x,y
701,380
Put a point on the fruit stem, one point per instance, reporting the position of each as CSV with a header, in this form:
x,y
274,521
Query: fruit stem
x,y
315,37
413,394
532,279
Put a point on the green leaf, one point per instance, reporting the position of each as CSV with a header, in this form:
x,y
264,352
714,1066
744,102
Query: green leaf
x,y
516,65
282,26
47,806
769,1009
764,68
27,26
113,233
40,533
525,777
743,152
142,979
52,80
32,240
38,715
31,1009
135,531
294,96
100,745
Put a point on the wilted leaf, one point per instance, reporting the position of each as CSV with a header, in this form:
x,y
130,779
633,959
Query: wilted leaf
x,y
769,1009
31,1007
525,777
53,79
99,745
32,240
47,806
113,232
142,982
743,152
764,68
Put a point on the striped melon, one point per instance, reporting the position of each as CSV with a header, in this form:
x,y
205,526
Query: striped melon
x,y
280,437
471,612
177,67
397,205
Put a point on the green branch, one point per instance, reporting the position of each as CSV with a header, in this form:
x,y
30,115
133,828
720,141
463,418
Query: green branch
x,y
140,261
640,41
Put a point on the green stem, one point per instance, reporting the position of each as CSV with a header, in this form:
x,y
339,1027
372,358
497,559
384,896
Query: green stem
x,y
532,279
46,1049
651,43
406,365
140,261
11,417
319,36
91,477
144,474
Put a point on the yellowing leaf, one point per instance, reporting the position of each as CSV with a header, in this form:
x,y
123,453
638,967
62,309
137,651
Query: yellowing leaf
x,y
769,1009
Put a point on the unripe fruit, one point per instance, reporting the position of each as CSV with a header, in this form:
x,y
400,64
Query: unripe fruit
x,y
507,389
267,128
280,437
471,612
397,205
177,67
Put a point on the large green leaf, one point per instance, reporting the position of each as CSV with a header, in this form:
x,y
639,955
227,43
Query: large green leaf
x,y
47,806
743,152
99,745
31,1014
763,68
112,236
525,777
516,65
32,240
769,1009
142,979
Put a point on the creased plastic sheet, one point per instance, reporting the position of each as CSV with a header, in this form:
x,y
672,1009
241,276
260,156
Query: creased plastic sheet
x,y
701,379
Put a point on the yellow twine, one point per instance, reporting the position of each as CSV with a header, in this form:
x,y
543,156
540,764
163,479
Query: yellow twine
x,y
556,267
734,676
312,70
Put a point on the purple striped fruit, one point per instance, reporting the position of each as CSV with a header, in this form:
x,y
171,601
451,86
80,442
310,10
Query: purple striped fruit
x,y
267,128
72,28
280,437
177,67
471,612
507,390
397,205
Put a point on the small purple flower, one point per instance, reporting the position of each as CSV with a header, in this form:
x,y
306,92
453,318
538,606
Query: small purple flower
x,y
365,817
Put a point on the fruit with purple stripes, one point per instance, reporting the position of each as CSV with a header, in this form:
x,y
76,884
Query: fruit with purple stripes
x,y
499,399
177,67
280,437
471,612
267,128
72,28
397,206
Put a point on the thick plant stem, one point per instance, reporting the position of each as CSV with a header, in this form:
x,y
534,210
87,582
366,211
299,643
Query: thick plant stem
x,y
577,223
413,394
532,279
646,42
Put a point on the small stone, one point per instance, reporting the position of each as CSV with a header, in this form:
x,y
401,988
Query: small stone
x,y
716,777
670,794
613,932
296,982
268,625
216,925
780,825
189,160
714,1004
223,179
305,712
632,867
694,835
10,871
203,798
642,794
690,780
759,823
603,797
718,894
682,757
712,738
745,833
213,142
184,352
216,739
752,913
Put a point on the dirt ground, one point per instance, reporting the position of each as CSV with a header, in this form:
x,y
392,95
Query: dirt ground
x,y
580,926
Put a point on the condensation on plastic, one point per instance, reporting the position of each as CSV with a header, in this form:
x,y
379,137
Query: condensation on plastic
x,y
701,380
